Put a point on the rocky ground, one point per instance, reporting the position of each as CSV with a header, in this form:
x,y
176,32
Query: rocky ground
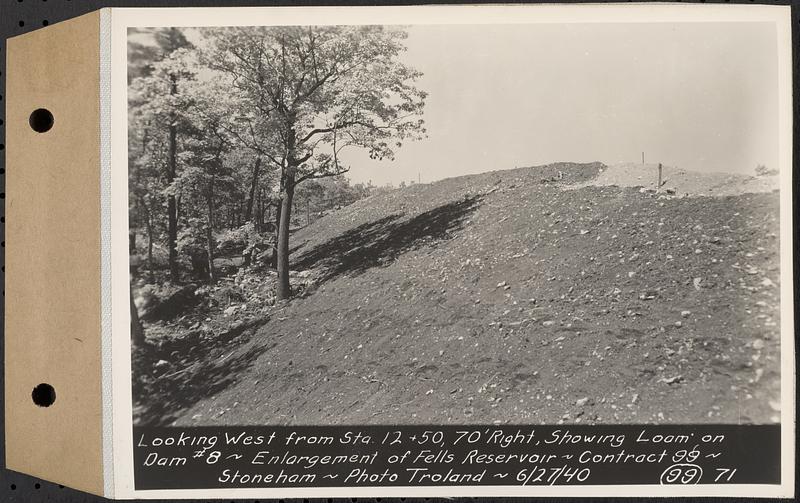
x,y
535,295
682,182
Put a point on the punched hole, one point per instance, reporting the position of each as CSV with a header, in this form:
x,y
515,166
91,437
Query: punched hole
x,y
43,395
41,120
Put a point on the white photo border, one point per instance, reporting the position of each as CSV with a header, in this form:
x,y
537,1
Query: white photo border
x,y
121,441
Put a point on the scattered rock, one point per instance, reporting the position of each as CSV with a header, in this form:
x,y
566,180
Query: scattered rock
x,y
546,226
671,380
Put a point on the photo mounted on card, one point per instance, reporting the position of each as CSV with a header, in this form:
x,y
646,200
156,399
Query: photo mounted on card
x,y
451,251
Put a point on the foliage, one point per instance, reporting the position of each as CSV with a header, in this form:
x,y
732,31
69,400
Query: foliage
x,y
230,128
310,92
762,170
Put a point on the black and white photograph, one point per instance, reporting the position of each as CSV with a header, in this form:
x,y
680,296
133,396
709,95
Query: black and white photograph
x,y
449,224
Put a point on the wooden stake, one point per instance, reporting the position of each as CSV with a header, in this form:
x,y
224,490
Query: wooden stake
x,y
659,177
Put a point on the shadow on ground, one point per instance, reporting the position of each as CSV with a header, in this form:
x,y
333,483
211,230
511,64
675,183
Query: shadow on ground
x,y
378,243
203,366
172,375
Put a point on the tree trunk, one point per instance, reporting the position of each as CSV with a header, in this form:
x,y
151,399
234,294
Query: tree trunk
x,y
172,211
172,233
149,227
172,207
278,207
259,209
210,229
137,331
284,289
150,266
248,213
132,242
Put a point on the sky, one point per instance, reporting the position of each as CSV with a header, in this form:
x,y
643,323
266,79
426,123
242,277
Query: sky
x,y
699,96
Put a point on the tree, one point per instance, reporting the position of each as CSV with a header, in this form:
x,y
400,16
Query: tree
x,y
762,170
307,93
206,177
137,332
144,188
248,214
311,193
156,104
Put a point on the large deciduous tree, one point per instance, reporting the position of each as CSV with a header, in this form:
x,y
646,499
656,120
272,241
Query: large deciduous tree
x,y
307,93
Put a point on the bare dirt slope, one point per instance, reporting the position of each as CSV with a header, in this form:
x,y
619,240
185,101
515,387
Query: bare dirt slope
x,y
503,298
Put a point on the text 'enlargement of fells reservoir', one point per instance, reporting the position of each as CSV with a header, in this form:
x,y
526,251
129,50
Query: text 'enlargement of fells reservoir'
x,y
333,456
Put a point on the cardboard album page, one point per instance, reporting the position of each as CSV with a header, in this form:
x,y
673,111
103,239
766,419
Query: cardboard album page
x,y
403,251
53,266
